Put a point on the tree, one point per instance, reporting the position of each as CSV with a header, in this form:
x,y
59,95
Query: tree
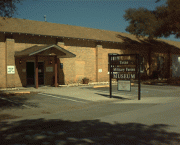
x,y
163,21
8,7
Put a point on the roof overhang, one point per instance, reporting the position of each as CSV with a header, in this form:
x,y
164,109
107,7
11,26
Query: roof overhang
x,y
47,50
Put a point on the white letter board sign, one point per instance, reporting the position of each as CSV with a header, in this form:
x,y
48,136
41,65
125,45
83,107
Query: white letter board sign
x,y
10,69
49,69
124,85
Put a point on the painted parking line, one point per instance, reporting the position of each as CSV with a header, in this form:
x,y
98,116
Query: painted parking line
x,y
14,102
61,98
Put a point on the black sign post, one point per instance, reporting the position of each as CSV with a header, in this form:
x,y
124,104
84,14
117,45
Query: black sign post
x,y
110,76
139,84
124,69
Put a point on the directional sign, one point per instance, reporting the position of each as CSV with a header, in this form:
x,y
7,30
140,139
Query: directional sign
x,y
124,62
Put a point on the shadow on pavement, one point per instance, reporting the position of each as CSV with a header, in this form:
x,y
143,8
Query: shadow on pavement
x,y
113,96
10,100
42,131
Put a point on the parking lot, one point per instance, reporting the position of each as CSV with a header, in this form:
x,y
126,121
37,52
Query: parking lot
x,y
50,100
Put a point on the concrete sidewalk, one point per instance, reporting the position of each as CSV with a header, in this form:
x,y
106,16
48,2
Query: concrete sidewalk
x,y
81,92
76,92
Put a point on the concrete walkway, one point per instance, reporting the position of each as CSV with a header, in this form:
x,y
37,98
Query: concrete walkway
x,y
72,91
81,92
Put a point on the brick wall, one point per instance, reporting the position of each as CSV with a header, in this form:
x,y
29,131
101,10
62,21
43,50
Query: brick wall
x,y
2,62
91,59
102,60
10,61
83,65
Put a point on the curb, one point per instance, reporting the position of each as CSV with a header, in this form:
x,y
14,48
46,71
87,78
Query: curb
x,y
27,92
89,84
104,86
13,93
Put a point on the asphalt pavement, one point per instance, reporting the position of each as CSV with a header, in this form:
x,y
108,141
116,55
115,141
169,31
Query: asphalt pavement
x,y
91,117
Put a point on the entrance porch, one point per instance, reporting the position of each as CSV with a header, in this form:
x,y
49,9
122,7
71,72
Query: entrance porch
x,y
38,65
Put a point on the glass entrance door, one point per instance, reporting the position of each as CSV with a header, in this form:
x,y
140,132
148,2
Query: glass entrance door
x,y
30,73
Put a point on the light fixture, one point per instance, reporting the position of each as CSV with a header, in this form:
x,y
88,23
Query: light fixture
x,y
50,62
179,59
20,61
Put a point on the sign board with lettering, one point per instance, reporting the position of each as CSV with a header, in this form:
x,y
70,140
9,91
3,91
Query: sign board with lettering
x,y
100,70
121,68
124,85
10,69
49,69
124,68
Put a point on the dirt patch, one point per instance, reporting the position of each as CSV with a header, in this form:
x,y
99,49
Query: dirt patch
x,y
45,112
7,116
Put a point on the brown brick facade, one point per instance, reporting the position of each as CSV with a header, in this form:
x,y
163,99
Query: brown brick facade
x,y
91,59
3,62
10,61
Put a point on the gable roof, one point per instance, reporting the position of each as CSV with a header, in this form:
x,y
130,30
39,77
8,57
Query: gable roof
x,y
46,50
16,25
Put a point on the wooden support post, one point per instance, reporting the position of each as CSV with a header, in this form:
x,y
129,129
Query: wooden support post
x,y
96,64
149,60
169,64
36,72
55,71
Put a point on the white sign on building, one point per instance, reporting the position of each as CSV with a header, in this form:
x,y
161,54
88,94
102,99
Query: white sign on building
x,y
100,70
49,69
10,69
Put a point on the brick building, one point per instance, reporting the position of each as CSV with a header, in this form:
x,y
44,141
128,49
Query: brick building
x,y
50,53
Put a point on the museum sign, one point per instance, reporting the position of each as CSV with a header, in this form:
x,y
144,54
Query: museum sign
x,y
124,68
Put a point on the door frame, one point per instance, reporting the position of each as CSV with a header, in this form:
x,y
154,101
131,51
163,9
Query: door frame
x,y
34,73
43,73
35,69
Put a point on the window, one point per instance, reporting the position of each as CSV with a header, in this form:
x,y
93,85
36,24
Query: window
x,y
179,59
160,63
175,65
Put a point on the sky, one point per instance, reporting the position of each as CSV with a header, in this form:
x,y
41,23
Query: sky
x,y
98,14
